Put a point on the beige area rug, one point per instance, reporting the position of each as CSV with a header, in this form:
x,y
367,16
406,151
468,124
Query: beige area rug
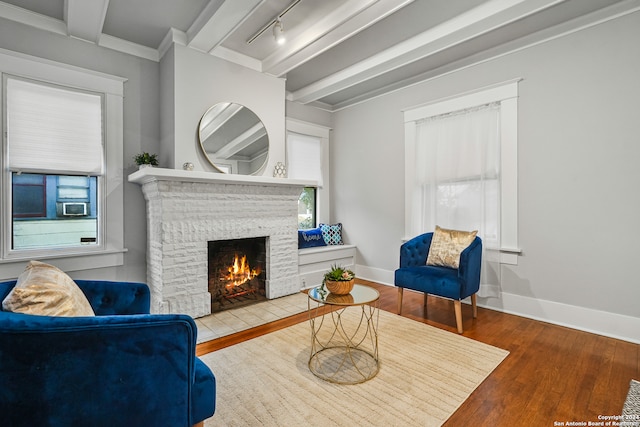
x,y
425,375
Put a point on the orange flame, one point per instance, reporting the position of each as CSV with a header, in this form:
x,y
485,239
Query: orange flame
x,y
240,272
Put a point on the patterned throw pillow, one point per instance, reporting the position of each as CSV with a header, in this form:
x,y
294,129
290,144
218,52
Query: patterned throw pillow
x,y
44,290
447,245
332,233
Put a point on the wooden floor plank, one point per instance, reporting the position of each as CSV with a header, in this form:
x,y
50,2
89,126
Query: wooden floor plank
x,y
552,373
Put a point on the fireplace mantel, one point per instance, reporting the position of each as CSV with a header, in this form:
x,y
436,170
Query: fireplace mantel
x,y
151,174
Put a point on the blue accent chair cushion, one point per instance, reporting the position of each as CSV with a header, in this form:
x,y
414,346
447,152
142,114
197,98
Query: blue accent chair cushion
x,y
310,238
122,367
456,284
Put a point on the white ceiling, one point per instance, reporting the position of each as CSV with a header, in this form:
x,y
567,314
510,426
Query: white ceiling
x,y
338,52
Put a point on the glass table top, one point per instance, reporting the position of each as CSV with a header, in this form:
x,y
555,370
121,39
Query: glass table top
x,y
359,295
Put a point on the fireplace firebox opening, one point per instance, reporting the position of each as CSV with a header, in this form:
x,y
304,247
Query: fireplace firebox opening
x,y
237,272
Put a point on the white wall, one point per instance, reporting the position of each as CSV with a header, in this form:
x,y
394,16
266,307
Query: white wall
x,y
578,175
199,82
141,125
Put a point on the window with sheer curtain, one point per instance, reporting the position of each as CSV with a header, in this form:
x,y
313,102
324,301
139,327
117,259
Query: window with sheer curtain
x,y
458,164
455,175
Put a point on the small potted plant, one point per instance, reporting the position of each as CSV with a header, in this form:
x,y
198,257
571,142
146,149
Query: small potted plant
x,y
339,280
145,159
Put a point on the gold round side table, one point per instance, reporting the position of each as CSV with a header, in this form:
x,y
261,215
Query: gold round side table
x,y
344,341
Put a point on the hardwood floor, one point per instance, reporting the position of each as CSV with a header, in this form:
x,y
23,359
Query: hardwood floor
x,y
552,374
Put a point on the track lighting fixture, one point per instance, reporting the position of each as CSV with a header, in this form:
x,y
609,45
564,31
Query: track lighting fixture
x,y
276,24
278,32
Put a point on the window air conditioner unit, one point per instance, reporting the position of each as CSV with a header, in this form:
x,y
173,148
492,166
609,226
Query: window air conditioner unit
x,y
74,209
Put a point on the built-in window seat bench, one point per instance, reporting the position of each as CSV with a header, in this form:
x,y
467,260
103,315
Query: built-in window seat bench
x,y
314,262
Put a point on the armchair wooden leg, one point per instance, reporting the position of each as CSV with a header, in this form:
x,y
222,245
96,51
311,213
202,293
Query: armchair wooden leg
x,y
457,305
474,305
400,290
425,304
200,424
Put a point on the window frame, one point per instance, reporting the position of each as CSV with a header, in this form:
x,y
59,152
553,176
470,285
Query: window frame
x,y
507,94
322,192
110,250
314,217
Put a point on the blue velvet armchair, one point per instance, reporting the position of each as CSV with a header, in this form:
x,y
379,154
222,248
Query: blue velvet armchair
x,y
124,367
456,284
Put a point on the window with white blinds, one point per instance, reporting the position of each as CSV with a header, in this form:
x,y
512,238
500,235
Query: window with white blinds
x,y
62,179
304,157
53,129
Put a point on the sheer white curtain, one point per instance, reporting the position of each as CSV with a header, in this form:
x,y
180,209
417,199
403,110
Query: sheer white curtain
x,y
458,180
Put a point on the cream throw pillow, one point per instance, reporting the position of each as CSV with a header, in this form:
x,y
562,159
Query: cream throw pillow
x,y
447,245
44,290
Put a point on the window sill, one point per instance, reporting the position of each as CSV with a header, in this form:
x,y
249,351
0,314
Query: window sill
x,y
13,267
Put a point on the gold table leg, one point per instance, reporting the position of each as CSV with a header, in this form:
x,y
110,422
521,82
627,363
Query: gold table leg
x,y
343,351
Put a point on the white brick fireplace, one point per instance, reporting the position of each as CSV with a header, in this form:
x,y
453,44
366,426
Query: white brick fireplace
x,y
187,209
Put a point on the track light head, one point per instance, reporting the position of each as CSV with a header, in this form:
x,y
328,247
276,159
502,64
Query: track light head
x,y
278,32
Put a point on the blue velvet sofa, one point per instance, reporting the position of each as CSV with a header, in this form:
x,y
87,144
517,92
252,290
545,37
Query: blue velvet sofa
x,y
456,284
124,367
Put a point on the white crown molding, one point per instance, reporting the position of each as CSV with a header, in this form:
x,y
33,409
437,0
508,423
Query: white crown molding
x,y
128,47
307,128
172,37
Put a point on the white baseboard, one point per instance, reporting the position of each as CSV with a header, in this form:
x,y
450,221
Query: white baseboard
x,y
613,325
378,275
599,322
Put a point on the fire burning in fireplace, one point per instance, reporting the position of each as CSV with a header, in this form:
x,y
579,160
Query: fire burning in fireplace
x,y
236,272
240,272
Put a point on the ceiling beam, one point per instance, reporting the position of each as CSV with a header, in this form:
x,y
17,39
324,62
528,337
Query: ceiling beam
x,y
217,21
33,19
85,18
477,21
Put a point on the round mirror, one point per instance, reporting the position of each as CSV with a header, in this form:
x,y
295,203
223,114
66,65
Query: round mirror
x,y
233,139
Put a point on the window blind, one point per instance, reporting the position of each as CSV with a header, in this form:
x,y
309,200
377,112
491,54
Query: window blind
x,y
304,157
53,130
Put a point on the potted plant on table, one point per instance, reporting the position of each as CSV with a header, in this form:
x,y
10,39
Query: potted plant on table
x,y
339,280
145,159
